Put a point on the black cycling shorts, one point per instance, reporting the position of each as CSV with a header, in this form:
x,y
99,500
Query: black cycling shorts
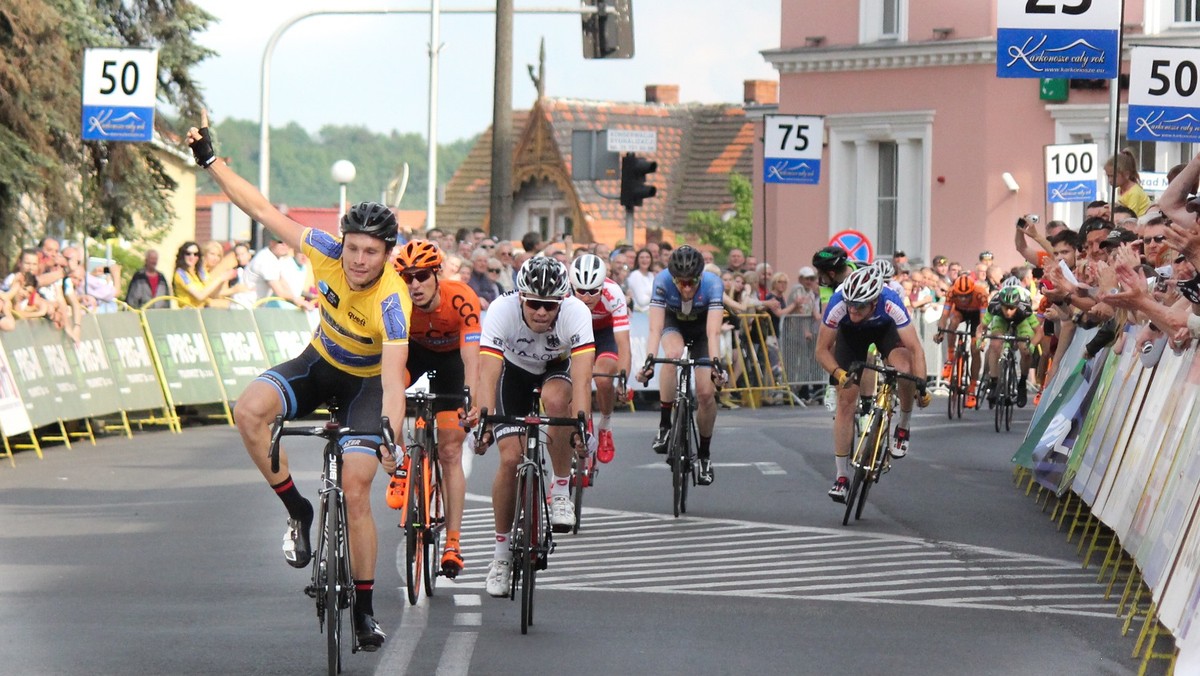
x,y
852,343
308,381
694,333
606,343
516,390
449,377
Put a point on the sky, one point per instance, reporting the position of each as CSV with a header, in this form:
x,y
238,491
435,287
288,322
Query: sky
x,y
373,70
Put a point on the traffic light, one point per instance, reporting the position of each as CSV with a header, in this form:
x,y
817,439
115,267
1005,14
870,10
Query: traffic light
x,y
634,171
608,34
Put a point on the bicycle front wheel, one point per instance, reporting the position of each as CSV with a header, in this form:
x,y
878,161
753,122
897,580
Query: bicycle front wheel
x,y
529,538
435,523
863,459
677,456
1001,394
414,529
1011,400
334,571
579,481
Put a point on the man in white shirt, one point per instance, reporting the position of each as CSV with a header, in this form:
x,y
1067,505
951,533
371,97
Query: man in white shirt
x,y
264,274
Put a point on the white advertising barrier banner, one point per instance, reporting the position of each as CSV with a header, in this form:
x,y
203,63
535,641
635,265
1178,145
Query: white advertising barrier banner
x,y
14,418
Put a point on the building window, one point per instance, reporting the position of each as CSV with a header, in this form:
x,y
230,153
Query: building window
x,y
879,169
883,20
889,157
1187,11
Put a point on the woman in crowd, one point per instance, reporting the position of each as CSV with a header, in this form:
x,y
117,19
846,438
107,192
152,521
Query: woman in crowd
x,y
1123,173
641,280
192,285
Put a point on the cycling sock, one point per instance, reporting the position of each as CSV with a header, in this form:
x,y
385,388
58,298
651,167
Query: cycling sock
x,y
664,414
605,422
501,553
843,465
905,417
702,452
452,537
297,505
562,486
363,592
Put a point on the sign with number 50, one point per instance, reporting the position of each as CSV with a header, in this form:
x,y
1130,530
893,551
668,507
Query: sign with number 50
x,y
792,149
119,90
1164,104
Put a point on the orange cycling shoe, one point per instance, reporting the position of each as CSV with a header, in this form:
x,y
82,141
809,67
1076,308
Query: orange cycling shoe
x,y
452,561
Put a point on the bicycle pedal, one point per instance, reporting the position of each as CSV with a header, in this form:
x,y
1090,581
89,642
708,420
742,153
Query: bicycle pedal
x,y
310,591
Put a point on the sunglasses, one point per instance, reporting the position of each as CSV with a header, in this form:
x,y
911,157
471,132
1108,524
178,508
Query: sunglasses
x,y
191,253
495,271
587,292
685,282
419,276
1157,239
547,305
861,306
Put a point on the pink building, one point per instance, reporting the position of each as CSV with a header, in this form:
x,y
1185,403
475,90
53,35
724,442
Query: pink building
x,y
919,130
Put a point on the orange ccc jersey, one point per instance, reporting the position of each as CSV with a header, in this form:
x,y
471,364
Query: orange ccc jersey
x,y
453,324
978,300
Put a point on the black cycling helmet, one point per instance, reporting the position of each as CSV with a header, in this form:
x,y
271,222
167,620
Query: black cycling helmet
x,y
686,262
830,259
371,218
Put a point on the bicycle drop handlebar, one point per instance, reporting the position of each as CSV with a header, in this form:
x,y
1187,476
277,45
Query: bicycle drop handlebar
x,y
328,431
620,377
888,372
579,422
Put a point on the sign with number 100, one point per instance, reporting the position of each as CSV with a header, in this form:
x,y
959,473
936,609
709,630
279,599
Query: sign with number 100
x,y
1071,172
1164,103
1057,38
792,148
119,91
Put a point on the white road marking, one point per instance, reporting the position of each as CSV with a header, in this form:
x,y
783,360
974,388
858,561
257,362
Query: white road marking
x,y
456,655
468,619
764,467
402,643
463,600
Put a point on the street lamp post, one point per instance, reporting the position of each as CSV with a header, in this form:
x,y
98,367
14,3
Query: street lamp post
x,y
343,172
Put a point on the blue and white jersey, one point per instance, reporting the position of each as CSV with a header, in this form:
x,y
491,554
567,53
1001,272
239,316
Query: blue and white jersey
x,y
708,297
888,309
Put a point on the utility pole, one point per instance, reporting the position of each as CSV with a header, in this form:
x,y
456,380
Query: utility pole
x,y
501,202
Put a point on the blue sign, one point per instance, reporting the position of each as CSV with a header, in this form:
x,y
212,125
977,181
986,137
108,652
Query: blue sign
x,y
856,244
104,123
1164,94
799,172
1071,191
1057,39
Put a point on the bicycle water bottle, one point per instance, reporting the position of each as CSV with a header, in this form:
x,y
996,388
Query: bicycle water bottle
x,y
830,398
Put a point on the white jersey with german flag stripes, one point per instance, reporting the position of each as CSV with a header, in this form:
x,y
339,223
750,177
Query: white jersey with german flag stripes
x,y
611,312
507,336
355,325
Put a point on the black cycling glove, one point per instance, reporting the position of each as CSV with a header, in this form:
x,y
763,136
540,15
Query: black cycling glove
x,y
202,150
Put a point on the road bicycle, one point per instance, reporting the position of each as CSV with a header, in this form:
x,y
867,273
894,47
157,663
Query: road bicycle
x,y
332,583
423,515
532,539
959,383
872,452
585,468
1008,381
684,438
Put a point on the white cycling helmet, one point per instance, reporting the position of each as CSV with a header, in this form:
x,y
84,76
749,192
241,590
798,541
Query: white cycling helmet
x,y
885,268
1011,281
863,285
543,277
588,272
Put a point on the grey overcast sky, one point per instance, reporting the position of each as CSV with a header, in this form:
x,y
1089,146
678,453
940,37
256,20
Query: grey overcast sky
x,y
373,70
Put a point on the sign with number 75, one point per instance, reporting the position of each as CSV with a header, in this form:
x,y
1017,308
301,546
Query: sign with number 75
x,y
792,147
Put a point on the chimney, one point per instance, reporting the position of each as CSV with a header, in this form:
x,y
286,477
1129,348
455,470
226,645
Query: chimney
x,y
662,93
761,92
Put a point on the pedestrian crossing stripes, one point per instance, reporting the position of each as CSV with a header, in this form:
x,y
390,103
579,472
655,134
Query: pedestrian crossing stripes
x,y
635,552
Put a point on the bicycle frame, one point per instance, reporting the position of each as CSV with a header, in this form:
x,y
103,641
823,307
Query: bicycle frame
x,y
332,582
684,437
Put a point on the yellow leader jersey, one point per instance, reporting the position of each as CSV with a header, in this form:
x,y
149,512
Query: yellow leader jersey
x,y
355,325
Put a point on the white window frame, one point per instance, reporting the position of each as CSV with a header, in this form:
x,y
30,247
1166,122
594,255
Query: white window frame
x,y
870,21
1159,16
854,175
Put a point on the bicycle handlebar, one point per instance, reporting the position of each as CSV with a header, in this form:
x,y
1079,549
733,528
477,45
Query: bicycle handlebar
x,y
857,368
957,332
691,361
1010,339
579,423
329,431
620,377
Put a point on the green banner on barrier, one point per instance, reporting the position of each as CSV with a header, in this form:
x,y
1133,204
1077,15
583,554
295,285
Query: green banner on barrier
x,y
53,346
129,357
285,333
89,362
236,349
42,399
187,365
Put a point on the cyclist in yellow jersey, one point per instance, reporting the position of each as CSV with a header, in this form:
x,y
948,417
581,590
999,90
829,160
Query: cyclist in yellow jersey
x,y
358,355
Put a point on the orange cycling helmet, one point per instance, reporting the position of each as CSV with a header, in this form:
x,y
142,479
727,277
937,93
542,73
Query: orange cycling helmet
x,y
963,286
419,253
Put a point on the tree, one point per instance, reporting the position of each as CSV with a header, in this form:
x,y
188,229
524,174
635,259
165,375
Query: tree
x,y
52,180
727,233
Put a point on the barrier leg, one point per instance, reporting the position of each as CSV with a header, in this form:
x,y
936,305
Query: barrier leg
x,y
8,452
1111,554
1135,609
1079,518
1134,581
1094,546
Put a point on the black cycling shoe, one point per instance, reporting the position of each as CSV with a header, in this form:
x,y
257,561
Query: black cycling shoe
x,y
1022,395
660,441
296,550
704,472
366,630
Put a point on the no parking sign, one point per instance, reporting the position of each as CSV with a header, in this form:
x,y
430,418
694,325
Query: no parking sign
x,y
856,244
